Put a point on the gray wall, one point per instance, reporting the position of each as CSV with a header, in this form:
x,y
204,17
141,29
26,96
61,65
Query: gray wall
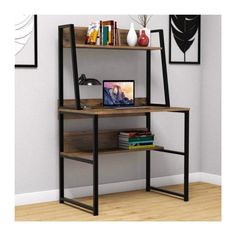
x,y
36,164
211,96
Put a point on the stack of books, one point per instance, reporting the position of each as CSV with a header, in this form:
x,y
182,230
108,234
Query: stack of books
x,y
136,140
102,33
108,33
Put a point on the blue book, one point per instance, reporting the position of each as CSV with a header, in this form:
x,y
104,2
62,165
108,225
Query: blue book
x,y
136,142
105,35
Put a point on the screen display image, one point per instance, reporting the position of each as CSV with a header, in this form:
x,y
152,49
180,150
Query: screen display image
x,y
117,93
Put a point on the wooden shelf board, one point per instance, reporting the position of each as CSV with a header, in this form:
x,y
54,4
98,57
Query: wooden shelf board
x,y
72,116
105,111
87,154
123,47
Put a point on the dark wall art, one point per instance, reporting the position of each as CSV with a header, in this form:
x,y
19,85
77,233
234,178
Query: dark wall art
x,y
184,39
26,45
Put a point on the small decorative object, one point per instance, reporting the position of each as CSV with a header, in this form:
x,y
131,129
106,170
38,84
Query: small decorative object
x,y
143,20
132,36
26,52
92,33
143,39
122,37
83,80
184,39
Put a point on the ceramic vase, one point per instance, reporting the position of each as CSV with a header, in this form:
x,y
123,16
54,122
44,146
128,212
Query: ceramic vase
x,y
148,33
132,36
143,39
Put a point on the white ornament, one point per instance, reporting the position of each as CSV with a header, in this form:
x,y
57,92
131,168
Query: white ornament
x,y
132,36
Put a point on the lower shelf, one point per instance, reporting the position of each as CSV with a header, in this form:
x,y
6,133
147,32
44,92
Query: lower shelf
x,y
89,154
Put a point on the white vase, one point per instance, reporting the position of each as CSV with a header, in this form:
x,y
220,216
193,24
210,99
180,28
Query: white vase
x,y
132,36
148,33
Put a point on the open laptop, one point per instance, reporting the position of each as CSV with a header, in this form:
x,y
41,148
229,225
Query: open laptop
x,y
119,94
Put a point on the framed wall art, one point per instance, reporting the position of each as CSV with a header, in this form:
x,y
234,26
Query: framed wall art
x,y
26,45
184,39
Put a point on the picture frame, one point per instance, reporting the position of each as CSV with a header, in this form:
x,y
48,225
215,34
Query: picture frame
x,y
26,42
184,39
122,35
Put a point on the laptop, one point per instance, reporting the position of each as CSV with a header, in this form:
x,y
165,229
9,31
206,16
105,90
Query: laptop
x,y
118,94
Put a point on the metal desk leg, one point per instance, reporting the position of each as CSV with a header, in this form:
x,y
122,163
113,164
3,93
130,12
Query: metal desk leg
x,y
148,156
61,159
148,171
95,165
186,155
185,194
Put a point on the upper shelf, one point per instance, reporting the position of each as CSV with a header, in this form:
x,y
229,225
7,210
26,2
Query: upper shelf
x,y
123,47
80,35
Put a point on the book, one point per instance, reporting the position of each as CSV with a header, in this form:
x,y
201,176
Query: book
x,y
135,139
138,147
136,142
109,41
135,133
100,33
104,35
115,34
144,138
118,43
110,34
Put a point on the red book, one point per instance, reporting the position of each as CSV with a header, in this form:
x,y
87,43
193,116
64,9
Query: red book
x,y
135,133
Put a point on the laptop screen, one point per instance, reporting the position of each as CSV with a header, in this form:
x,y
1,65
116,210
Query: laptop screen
x,y
118,93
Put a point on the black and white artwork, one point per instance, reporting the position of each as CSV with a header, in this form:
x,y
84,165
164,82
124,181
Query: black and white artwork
x,y
26,41
184,39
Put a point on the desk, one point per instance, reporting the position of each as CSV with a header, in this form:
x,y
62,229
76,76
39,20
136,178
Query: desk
x,y
76,146
76,142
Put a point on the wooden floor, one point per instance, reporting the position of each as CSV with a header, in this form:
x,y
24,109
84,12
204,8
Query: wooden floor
x,y
204,205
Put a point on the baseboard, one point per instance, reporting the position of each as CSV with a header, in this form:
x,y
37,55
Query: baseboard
x,y
52,195
210,178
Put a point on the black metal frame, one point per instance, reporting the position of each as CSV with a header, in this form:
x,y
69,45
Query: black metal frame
x,y
94,209
35,64
164,71
185,153
62,199
148,66
74,64
199,47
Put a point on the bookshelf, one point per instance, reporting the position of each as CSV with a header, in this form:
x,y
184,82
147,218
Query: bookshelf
x,y
113,47
87,146
80,34
77,144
